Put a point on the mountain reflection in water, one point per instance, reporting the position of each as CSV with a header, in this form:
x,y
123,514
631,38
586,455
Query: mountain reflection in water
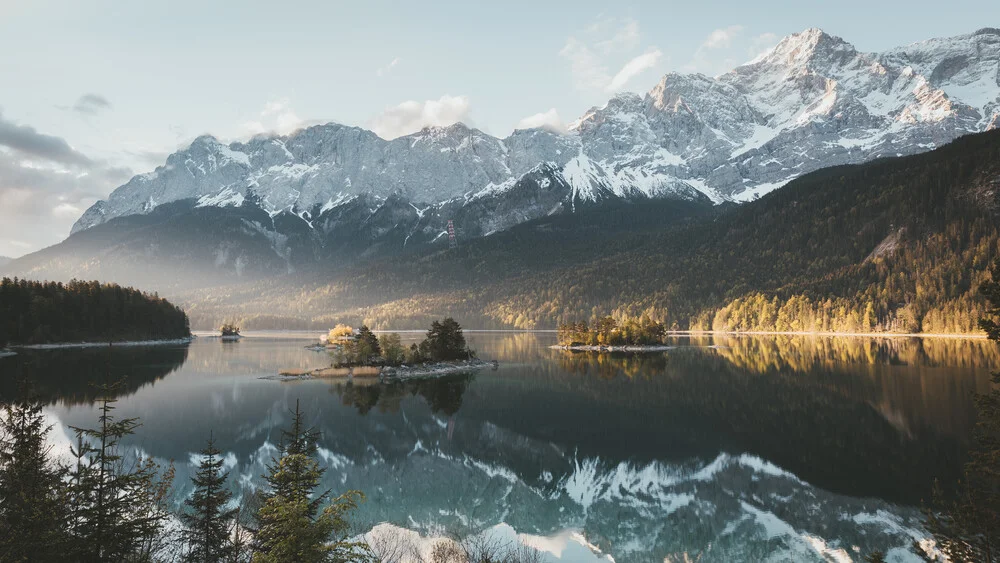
x,y
728,447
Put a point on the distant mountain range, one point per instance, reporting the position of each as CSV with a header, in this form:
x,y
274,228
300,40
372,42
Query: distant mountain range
x,y
899,244
331,196
811,101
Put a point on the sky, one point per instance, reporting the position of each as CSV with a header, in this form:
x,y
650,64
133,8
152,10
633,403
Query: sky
x,y
94,92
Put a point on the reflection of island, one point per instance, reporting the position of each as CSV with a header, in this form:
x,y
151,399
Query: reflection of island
x,y
613,364
70,375
860,416
443,394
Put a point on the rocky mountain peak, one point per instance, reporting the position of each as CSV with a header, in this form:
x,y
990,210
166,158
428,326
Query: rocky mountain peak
x,y
811,101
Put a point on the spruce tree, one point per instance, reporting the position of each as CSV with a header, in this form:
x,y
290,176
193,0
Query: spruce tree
x,y
32,493
445,341
367,345
208,519
118,505
295,523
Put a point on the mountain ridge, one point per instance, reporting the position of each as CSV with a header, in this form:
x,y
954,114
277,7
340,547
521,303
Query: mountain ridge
x,y
841,259
811,101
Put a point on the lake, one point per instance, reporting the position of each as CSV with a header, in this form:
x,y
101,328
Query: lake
x,y
724,448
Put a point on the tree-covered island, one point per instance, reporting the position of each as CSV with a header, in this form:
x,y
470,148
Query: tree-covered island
x,y
609,333
362,353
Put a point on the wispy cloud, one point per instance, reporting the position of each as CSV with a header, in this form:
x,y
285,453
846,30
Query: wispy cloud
x,y
714,55
548,120
388,68
277,116
91,104
762,43
626,37
722,38
603,45
633,68
412,116
589,72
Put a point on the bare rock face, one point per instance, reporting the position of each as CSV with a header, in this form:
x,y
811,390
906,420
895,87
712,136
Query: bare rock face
x,y
810,102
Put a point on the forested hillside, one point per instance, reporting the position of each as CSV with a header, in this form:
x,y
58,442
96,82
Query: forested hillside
x,y
895,245
38,313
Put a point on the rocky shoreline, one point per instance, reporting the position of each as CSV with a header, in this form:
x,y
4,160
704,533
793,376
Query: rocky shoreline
x,y
383,373
113,343
626,348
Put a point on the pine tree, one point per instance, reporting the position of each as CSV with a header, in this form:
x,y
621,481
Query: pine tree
x,y
32,493
445,341
208,522
367,345
118,506
293,523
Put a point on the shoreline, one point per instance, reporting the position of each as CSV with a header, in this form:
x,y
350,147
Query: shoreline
x,y
625,348
971,336
113,344
381,373
299,334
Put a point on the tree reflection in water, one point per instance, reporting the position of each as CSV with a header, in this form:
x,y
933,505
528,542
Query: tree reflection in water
x,y
442,394
70,376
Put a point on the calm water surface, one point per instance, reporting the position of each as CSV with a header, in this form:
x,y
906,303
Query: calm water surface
x,y
724,448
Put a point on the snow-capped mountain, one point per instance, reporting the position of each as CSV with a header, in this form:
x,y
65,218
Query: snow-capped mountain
x,y
810,102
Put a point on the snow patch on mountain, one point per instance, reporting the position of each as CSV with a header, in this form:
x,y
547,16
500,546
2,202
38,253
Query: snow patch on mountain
x,y
810,102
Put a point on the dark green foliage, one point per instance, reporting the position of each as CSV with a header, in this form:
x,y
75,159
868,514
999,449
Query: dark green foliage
x,y
110,507
295,523
33,503
36,313
208,520
118,505
445,341
392,349
366,345
51,381
443,394
967,528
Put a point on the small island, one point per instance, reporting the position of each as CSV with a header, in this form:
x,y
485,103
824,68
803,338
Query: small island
x,y
607,334
229,332
361,354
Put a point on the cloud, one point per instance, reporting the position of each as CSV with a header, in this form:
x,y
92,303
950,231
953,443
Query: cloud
x,y
387,68
91,104
722,38
148,158
625,38
589,73
45,185
601,46
412,116
715,54
29,142
39,202
277,117
762,43
633,68
548,120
